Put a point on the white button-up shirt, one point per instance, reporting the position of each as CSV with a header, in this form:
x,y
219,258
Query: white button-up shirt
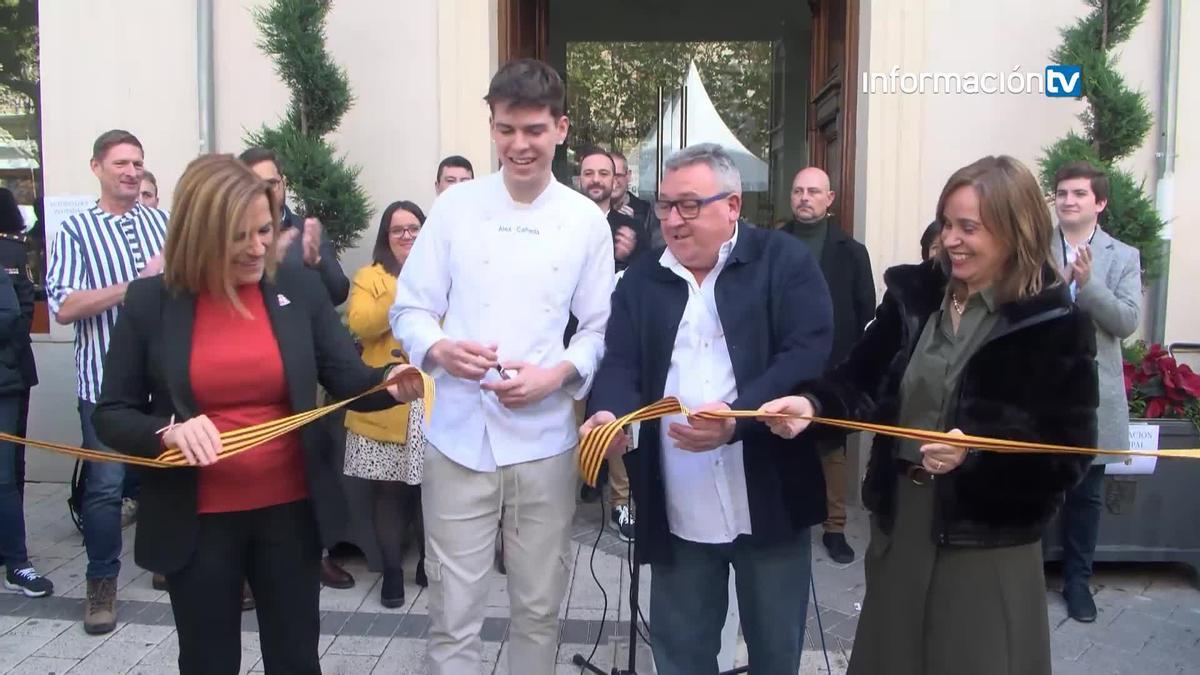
x,y
491,270
706,491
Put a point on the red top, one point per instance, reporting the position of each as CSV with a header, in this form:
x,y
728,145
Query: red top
x,y
237,380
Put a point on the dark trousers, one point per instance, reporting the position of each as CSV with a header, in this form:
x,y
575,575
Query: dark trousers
x,y
689,598
12,508
1081,526
277,550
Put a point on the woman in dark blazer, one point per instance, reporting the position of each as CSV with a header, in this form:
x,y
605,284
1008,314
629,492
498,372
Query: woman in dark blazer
x,y
223,341
987,342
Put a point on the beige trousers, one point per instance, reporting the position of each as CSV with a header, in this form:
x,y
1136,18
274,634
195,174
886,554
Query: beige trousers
x,y
834,464
618,481
462,514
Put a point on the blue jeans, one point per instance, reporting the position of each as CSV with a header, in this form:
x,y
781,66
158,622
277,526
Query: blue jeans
x,y
12,506
101,510
690,596
1081,526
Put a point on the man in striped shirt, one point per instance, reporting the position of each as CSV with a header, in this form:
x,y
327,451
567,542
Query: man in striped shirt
x,y
94,256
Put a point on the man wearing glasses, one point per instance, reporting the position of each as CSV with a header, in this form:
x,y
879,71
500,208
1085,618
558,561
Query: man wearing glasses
x,y
624,201
727,316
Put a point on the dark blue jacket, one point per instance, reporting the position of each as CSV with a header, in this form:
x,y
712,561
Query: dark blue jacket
x,y
778,322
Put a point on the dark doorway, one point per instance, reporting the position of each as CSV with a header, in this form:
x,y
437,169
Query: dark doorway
x,y
809,52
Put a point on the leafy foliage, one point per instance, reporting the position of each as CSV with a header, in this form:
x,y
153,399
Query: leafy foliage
x,y
293,34
612,88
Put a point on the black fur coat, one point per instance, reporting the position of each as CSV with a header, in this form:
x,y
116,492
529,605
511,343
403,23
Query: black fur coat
x,y
1033,379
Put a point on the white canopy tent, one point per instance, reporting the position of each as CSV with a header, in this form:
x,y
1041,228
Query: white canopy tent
x,y
703,125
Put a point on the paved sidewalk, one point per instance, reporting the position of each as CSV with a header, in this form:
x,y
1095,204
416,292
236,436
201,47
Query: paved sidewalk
x,y
1149,615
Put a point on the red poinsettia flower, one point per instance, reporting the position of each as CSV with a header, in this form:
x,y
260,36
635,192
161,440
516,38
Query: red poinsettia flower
x,y
1189,381
1158,386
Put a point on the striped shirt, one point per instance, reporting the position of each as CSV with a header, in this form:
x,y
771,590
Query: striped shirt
x,y
94,250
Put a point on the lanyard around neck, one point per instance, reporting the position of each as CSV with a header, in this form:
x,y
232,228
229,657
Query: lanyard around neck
x,y
1063,237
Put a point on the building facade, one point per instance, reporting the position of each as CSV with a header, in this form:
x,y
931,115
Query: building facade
x,y
419,70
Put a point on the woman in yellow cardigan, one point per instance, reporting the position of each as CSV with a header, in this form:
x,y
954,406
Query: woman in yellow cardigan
x,y
387,447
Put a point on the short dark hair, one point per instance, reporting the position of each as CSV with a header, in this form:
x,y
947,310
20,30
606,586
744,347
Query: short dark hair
x,y
12,221
456,161
596,150
257,154
1095,175
527,83
112,138
932,232
146,175
382,254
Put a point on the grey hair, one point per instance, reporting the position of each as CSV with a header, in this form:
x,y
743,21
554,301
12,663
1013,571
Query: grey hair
x,y
714,157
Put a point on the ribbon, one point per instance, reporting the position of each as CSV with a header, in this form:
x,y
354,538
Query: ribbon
x,y
235,441
593,445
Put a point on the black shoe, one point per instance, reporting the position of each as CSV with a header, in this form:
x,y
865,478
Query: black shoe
x,y
588,494
838,548
26,580
622,519
1080,605
391,592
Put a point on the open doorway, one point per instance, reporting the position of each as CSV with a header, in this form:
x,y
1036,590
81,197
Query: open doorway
x,y
779,76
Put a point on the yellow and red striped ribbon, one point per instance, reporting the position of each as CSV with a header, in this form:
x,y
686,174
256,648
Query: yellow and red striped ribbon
x,y
593,445
235,441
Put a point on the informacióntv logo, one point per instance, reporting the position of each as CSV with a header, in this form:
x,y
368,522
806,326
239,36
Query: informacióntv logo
x,y
1064,81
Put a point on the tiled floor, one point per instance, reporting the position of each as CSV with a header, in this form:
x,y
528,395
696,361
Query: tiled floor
x,y
1149,615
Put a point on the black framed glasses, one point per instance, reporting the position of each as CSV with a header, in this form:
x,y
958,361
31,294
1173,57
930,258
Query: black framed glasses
x,y
687,208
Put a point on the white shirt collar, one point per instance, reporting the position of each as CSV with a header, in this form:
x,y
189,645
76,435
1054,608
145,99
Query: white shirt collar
x,y
541,200
669,261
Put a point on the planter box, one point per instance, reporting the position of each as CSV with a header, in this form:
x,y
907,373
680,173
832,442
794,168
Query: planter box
x,y
1151,518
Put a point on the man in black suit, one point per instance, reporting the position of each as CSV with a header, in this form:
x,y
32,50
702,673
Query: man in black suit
x,y
622,199
303,245
597,171
847,268
597,177
727,317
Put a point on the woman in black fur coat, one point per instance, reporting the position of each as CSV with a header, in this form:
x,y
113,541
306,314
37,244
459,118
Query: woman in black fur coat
x,y
982,340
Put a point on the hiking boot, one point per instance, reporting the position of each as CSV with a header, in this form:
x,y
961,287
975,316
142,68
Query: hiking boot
x,y
100,612
26,580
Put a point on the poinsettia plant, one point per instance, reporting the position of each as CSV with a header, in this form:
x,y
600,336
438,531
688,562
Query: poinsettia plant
x,y
1157,386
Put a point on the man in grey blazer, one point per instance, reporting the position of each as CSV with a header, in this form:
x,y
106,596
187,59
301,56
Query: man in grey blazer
x,y
1106,282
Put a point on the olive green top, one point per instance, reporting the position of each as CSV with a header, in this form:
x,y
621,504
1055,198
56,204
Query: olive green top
x,y
930,382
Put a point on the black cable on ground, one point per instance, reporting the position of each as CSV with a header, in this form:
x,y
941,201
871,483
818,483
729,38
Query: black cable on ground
x,y
603,594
